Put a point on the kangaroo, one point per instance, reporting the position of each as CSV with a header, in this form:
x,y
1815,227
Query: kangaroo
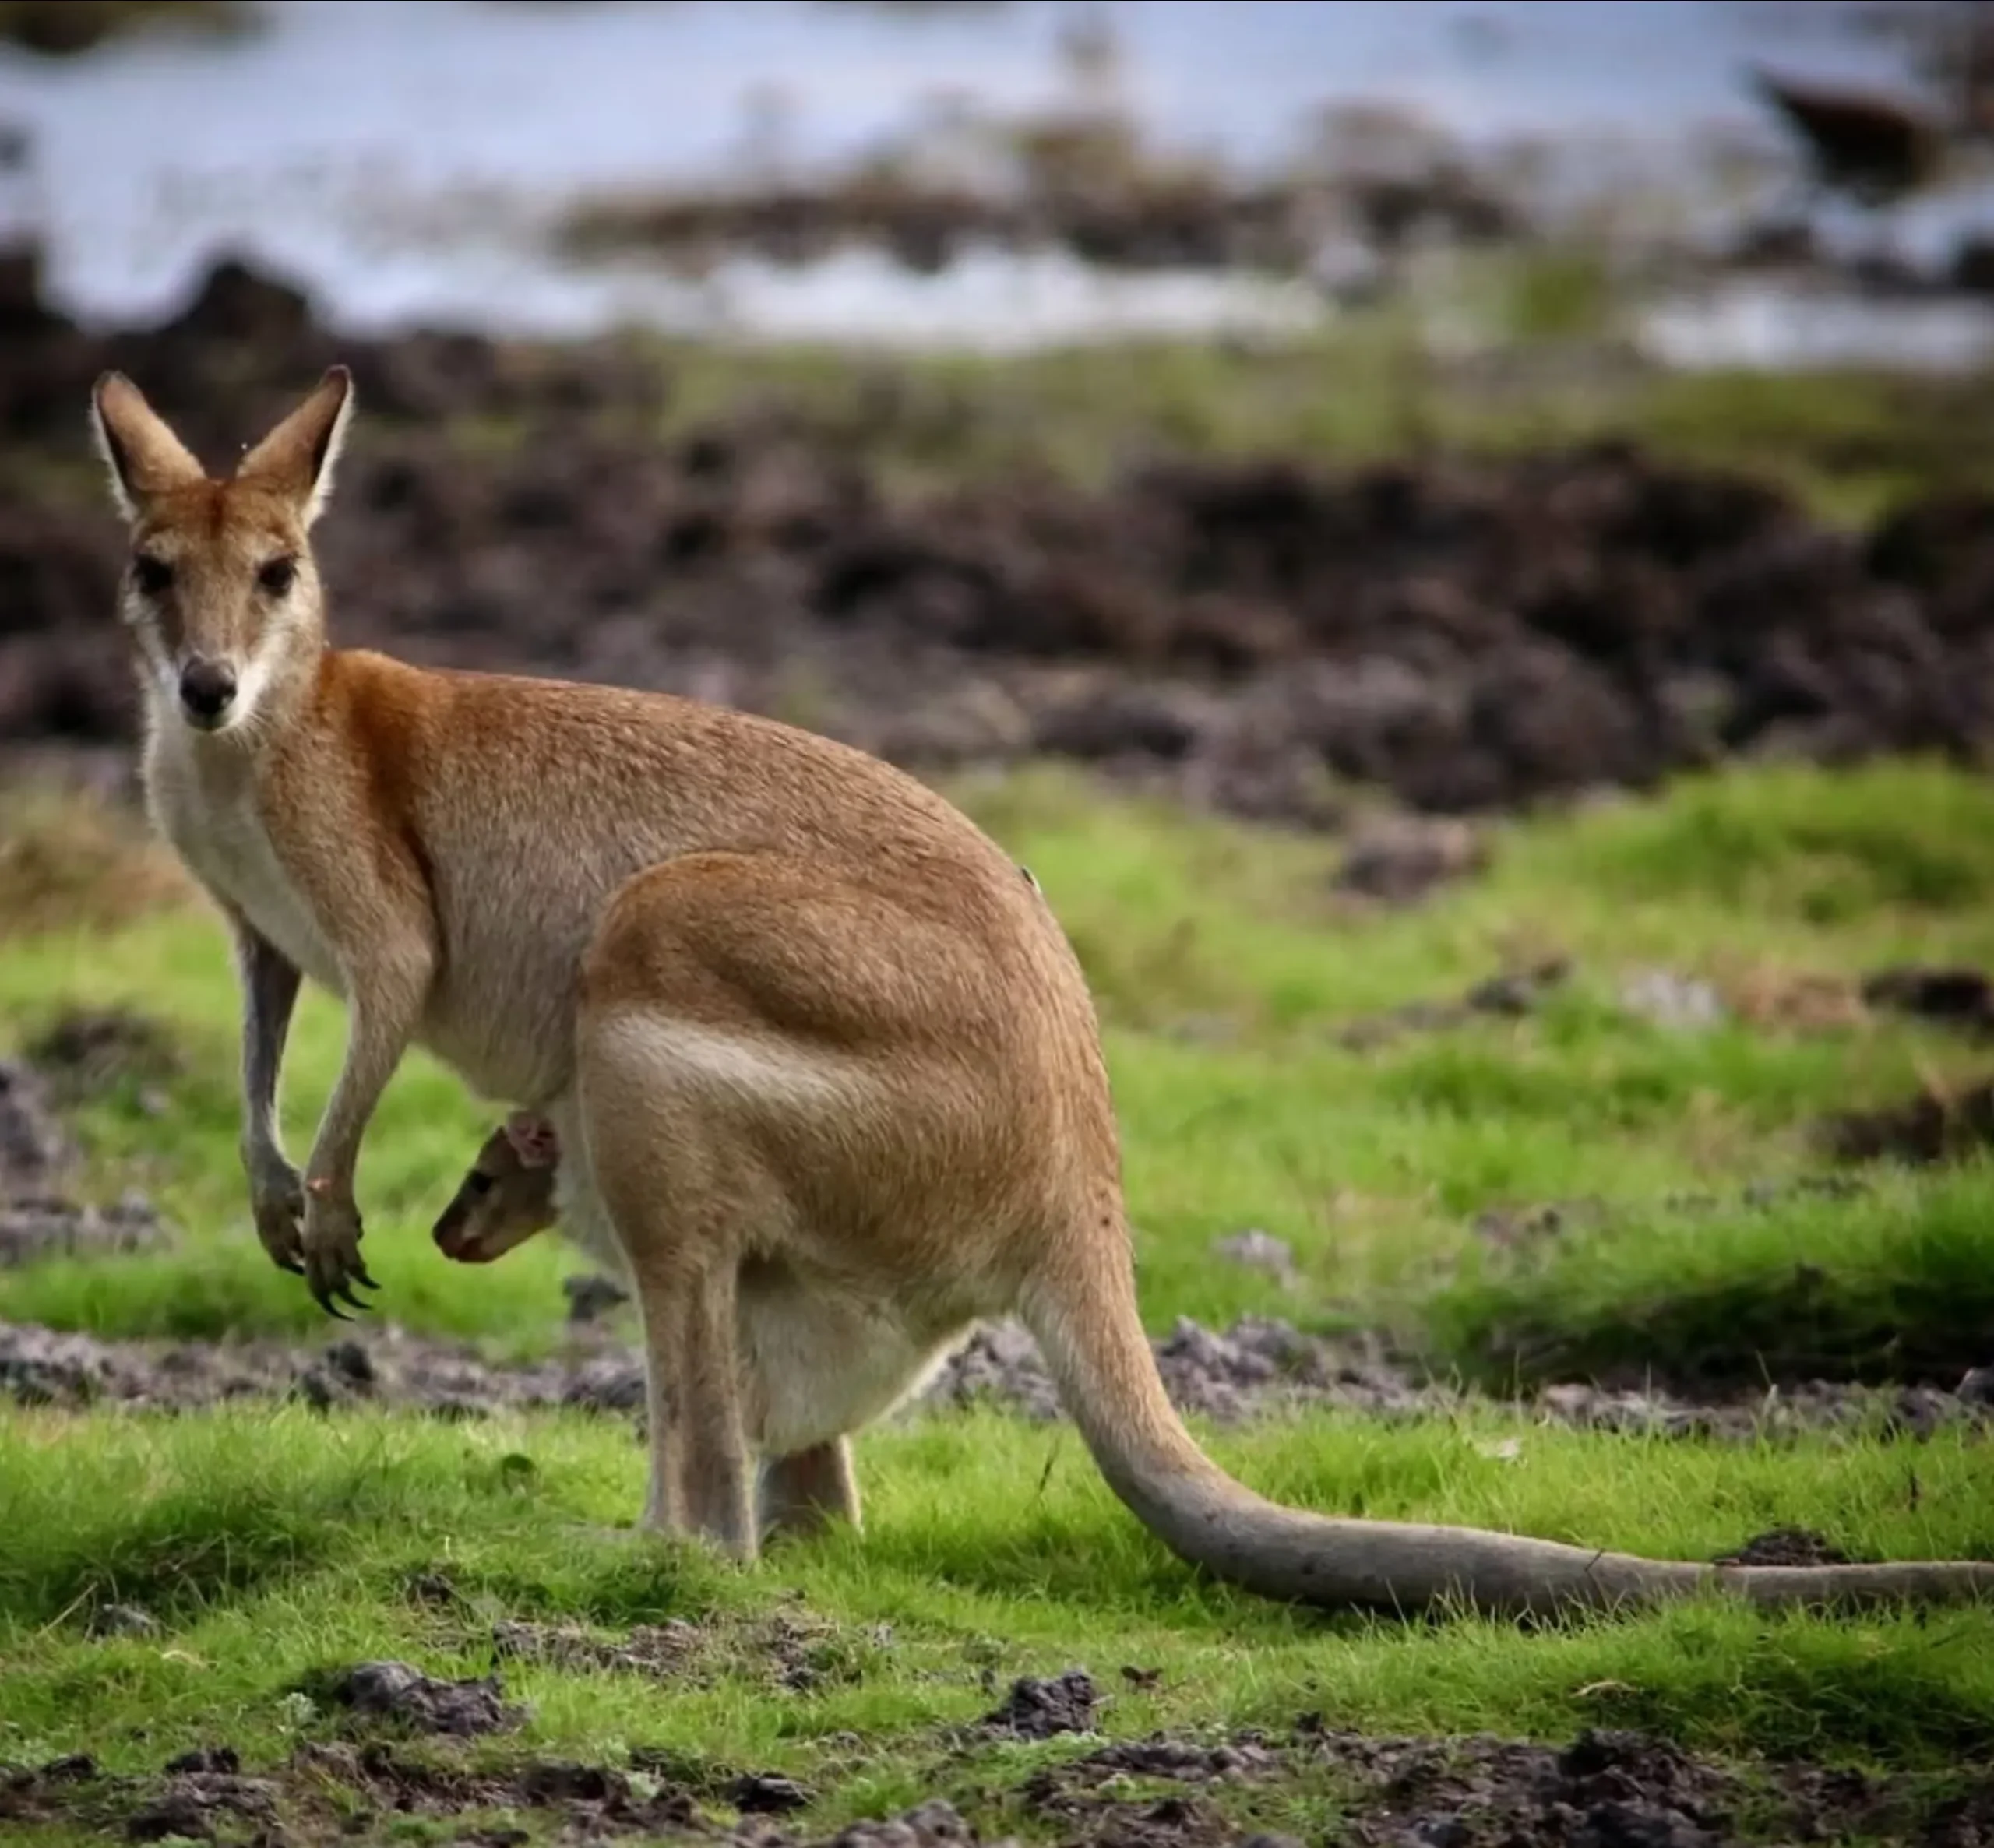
x,y
507,1196
824,1071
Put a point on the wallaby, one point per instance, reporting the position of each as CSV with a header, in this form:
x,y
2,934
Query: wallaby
x,y
824,1071
506,1196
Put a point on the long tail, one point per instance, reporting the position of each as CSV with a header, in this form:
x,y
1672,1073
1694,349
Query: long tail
x,y
1082,1311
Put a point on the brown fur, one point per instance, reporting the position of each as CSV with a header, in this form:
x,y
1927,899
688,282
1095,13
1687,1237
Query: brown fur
x,y
825,1075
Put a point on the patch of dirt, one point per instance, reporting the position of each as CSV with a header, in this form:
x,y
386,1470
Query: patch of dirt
x,y
1786,1546
1959,998
85,1052
1935,1126
1467,634
36,1220
191,1803
1607,1789
1258,1367
394,1690
33,1150
1509,996
1400,859
1035,1710
34,1227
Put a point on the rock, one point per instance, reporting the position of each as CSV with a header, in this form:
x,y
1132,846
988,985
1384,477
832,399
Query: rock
x,y
1259,1251
1676,1003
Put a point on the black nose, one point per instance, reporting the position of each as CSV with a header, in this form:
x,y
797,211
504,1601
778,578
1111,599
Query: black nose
x,y
206,687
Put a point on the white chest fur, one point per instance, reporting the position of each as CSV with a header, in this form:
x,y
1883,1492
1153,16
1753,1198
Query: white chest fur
x,y
211,815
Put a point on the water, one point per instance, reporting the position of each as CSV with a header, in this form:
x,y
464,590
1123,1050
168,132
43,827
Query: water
x,y
402,159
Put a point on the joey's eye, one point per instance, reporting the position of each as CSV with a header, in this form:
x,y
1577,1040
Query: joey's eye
x,y
154,576
479,1182
277,577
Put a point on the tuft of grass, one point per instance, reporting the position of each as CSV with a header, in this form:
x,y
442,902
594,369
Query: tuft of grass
x,y
70,862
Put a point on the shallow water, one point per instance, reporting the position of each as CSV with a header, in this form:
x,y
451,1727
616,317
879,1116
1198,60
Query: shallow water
x,y
403,158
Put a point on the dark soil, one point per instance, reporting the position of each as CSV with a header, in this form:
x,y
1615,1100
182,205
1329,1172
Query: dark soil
x,y
1962,999
36,1219
1401,858
1259,1366
1933,1126
394,1690
1468,634
33,1150
1035,1710
35,1227
84,1053
1786,1546
1606,1789
1510,995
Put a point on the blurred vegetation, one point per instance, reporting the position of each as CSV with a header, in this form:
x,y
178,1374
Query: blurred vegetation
x,y
63,28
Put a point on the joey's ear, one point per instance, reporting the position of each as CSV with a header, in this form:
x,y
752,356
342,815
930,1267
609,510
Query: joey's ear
x,y
297,457
145,458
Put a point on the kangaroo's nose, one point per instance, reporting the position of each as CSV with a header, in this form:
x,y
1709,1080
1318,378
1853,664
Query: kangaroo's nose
x,y
206,688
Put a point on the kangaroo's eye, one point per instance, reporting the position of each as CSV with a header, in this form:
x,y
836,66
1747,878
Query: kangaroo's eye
x,y
154,576
478,1184
277,577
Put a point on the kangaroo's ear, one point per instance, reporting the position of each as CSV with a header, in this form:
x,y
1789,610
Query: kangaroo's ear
x,y
297,457
145,458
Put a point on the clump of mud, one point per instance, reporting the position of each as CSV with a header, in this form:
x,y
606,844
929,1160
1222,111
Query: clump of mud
x,y
395,1691
1933,1126
1035,1710
1786,1546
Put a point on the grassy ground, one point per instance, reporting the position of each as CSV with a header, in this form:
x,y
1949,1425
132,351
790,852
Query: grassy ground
x,y
273,1543
1852,442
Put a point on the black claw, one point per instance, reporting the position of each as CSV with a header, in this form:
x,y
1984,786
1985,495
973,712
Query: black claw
x,y
344,1293
360,1276
322,1296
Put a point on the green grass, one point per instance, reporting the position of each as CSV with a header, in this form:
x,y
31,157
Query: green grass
x,y
272,1544
277,1545
1852,442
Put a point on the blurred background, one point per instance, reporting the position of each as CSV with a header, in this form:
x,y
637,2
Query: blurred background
x,y
1475,401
